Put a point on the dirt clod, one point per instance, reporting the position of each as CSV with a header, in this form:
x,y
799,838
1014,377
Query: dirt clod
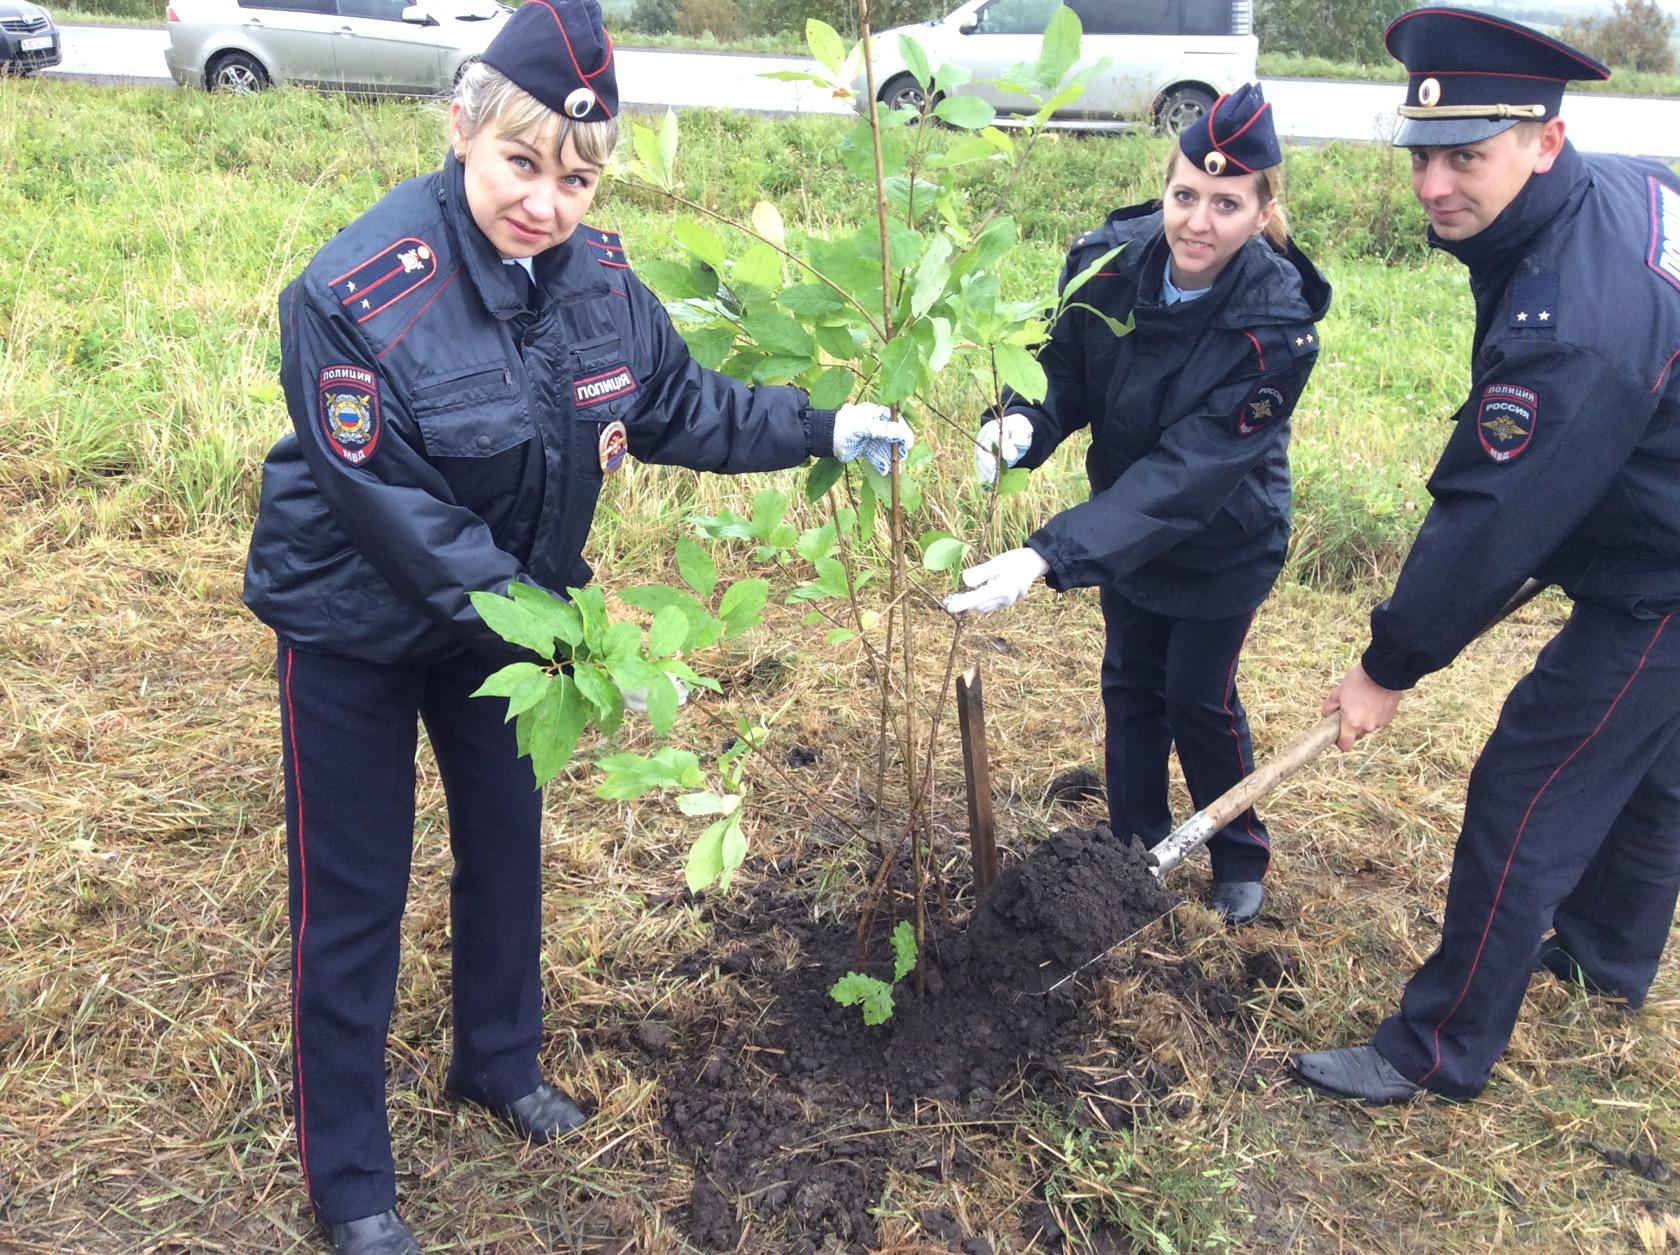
x,y
1074,786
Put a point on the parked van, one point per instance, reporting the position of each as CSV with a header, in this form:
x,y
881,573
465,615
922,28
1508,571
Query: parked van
x,y
1168,60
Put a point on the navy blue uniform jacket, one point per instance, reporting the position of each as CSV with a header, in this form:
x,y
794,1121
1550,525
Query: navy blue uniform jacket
x,y
446,438
1189,418
1565,461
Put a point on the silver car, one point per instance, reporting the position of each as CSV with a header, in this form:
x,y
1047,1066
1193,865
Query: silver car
x,y
373,46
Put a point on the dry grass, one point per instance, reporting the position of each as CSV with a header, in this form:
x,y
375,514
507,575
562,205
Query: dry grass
x,y
143,954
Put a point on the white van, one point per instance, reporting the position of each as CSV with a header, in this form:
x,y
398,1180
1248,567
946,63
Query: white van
x,y
1168,60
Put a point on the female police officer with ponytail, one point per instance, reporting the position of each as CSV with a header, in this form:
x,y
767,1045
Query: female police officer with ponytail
x,y
1188,519
463,365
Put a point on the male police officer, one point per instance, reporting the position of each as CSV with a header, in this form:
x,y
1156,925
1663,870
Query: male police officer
x,y
1564,466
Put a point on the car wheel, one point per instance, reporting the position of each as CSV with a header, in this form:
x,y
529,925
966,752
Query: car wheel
x,y
238,73
1180,108
902,91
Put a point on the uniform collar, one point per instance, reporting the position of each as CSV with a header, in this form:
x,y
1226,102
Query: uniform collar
x,y
1542,200
502,293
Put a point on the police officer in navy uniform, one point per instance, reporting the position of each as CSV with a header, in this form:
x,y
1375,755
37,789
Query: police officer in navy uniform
x,y
1564,466
463,365
1188,520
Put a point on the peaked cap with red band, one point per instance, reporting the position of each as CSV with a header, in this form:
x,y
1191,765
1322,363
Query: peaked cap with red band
x,y
1234,137
1471,75
558,51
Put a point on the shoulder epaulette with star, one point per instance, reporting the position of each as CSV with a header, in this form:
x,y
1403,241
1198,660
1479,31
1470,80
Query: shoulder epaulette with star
x,y
1280,344
1534,302
608,250
397,270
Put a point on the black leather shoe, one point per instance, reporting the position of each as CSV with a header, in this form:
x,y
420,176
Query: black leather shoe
x,y
1556,960
1357,1073
540,1116
384,1234
1237,901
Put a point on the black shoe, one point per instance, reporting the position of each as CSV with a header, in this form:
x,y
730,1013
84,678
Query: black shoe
x,y
1237,901
1356,1073
384,1234
1556,960
540,1116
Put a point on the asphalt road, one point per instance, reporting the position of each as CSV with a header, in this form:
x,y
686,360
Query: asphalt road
x,y
1305,109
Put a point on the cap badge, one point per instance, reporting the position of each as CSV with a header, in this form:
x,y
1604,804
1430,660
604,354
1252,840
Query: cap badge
x,y
579,102
1214,163
1429,92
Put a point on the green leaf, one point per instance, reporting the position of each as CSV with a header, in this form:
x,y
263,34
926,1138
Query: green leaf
x,y
901,370
1086,275
591,603
943,554
836,636
594,687
632,673
672,280
758,269
809,299
708,803
966,113
825,473
777,333
557,722
841,342
1060,48
700,240
734,847
705,859
1013,480
874,996
814,543
696,567
710,344
825,44
661,703
554,615
832,388
668,145
779,370
513,622
944,344
904,950
1114,324
1021,371
915,60
668,632
769,509
522,683
742,604
932,273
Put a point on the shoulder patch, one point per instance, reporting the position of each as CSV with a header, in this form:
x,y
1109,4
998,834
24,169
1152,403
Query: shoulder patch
x,y
606,246
1534,302
382,280
1266,403
1663,256
1506,419
349,411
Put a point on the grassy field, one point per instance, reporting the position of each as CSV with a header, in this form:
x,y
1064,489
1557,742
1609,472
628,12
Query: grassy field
x,y
143,950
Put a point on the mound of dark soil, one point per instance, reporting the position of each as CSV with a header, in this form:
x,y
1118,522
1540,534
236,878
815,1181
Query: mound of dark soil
x,y
788,1118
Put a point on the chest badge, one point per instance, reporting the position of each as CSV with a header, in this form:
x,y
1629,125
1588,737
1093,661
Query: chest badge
x,y
1505,420
612,447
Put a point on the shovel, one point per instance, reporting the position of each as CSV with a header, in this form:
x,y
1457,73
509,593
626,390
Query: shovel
x,y
1194,833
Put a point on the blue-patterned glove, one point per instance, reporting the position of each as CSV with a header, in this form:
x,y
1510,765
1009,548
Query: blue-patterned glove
x,y
871,431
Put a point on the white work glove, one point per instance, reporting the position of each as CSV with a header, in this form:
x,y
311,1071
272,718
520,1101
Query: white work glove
x,y
999,583
636,699
870,430
1015,434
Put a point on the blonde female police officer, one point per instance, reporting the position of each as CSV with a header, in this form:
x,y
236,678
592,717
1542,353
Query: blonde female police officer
x,y
1188,519
1564,466
463,365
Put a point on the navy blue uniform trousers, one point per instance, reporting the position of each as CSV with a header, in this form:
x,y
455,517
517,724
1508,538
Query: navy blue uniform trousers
x,y
1168,681
1572,820
349,734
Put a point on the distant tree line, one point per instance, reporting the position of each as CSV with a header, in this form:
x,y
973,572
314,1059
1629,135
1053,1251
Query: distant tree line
x,y
1636,36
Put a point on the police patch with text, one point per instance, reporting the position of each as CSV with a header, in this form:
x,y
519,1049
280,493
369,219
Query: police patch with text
x,y
1663,255
349,410
603,386
1264,406
1505,420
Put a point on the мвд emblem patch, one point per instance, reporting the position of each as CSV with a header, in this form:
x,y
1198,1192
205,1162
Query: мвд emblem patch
x,y
350,411
1505,420
1265,405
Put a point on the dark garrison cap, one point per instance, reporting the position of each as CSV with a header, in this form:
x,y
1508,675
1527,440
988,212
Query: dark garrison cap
x,y
1472,75
1235,136
558,51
